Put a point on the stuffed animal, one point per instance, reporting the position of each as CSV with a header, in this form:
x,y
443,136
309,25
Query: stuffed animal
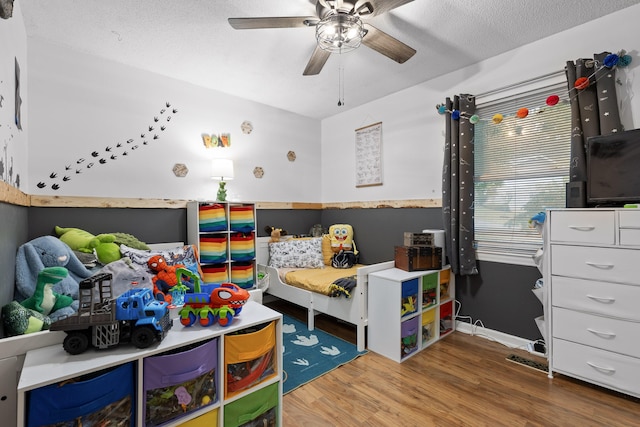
x,y
275,233
341,236
80,240
44,300
18,320
48,251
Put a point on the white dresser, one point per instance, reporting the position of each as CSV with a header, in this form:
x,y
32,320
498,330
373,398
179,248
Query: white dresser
x,y
592,295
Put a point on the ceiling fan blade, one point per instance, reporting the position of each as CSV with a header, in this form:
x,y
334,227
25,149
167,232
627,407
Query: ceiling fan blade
x,y
388,46
273,22
316,62
382,6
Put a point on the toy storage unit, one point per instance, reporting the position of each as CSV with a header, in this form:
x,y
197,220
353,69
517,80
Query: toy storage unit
x,y
225,235
409,311
181,381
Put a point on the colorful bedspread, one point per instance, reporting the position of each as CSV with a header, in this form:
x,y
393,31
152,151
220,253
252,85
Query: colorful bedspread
x,y
327,281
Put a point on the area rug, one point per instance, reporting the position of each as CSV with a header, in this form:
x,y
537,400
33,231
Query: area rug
x,y
311,354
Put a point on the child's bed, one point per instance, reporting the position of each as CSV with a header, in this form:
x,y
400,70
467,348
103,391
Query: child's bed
x,y
351,310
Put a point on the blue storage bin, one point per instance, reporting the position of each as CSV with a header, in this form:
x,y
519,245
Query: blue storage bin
x,y
107,396
409,302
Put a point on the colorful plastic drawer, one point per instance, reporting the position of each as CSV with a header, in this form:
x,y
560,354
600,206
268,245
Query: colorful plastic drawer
x,y
428,326
429,290
249,357
210,419
445,277
242,247
212,218
215,273
259,408
409,297
242,275
107,396
446,318
408,337
213,250
241,219
180,382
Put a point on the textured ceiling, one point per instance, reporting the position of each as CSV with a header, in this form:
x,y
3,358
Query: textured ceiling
x,y
191,40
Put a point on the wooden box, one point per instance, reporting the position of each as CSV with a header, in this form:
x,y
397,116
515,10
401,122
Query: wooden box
x,y
418,239
418,258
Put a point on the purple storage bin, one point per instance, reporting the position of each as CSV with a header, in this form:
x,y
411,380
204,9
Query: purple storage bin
x,y
180,382
409,336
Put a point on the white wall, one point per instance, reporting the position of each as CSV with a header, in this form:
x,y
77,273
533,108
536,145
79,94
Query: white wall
x,y
413,132
79,104
13,142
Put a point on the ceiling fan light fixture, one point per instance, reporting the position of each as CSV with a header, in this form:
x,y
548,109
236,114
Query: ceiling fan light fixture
x,y
340,33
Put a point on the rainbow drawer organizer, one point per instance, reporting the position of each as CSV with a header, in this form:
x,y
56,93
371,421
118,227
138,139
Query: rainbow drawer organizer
x,y
107,396
242,275
242,247
249,357
180,382
212,218
241,219
213,250
260,408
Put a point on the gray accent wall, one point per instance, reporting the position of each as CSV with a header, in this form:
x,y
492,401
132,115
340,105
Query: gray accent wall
x,y
499,296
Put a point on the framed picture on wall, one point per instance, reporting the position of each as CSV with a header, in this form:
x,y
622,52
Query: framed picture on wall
x,y
369,155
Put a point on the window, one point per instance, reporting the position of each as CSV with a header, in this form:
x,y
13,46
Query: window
x,y
521,168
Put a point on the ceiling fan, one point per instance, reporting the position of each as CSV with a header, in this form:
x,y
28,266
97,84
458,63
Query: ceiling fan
x,y
339,29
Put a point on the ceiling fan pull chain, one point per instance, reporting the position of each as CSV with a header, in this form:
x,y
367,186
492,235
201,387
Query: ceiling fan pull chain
x,y
340,84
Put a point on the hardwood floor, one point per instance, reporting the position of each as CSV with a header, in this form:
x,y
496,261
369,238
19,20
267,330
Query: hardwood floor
x,y
462,380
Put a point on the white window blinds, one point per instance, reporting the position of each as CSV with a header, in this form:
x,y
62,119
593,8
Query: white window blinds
x,y
521,168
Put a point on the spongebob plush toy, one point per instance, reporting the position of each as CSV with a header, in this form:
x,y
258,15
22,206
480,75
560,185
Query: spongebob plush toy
x,y
341,236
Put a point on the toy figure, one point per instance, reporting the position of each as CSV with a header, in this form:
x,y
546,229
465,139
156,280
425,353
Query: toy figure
x,y
165,277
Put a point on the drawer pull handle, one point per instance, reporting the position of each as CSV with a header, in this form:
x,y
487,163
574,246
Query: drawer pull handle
x,y
601,266
582,227
602,334
601,299
602,368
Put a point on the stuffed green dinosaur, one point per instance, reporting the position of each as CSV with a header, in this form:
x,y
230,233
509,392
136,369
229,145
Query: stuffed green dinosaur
x,y
44,300
82,241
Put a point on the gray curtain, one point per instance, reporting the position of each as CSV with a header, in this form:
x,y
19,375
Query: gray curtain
x,y
594,110
457,184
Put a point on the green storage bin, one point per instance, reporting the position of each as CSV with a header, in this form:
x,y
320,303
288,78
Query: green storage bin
x,y
254,408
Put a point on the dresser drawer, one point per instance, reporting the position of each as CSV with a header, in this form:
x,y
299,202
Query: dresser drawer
x,y
607,264
607,299
597,331
593,226
629,218
601,367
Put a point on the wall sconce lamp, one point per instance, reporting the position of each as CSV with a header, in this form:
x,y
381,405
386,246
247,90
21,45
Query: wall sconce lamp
x,y
222,169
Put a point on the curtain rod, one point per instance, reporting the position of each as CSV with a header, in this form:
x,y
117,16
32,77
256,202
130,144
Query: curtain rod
x,y
522,83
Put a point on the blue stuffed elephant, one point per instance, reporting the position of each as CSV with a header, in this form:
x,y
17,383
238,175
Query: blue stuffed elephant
x,y
49,251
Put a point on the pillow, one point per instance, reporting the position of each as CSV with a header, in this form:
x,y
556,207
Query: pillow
x,y
186,255
296,253
327,252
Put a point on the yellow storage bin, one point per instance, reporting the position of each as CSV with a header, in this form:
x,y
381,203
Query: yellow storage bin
x,y
428,326
249,357
210,419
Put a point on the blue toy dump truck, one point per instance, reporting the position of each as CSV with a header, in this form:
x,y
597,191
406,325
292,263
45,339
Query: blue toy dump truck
x,y
103,321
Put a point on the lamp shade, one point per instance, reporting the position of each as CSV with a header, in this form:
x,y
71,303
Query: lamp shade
x,y
222,169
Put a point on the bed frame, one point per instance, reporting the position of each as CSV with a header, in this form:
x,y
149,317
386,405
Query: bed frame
x,y
352,310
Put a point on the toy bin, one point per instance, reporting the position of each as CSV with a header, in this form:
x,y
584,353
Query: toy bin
x,y
258,409
241,219
242,247
212,218
242,275
446,318
249,357
409,302
179,382
210,419
409,336
106,396
428,326
429,290
215,273
213,250
445,277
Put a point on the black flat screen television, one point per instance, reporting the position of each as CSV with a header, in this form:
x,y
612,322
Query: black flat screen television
x,y
613,169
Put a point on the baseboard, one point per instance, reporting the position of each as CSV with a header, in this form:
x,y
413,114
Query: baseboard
x,y
507,340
